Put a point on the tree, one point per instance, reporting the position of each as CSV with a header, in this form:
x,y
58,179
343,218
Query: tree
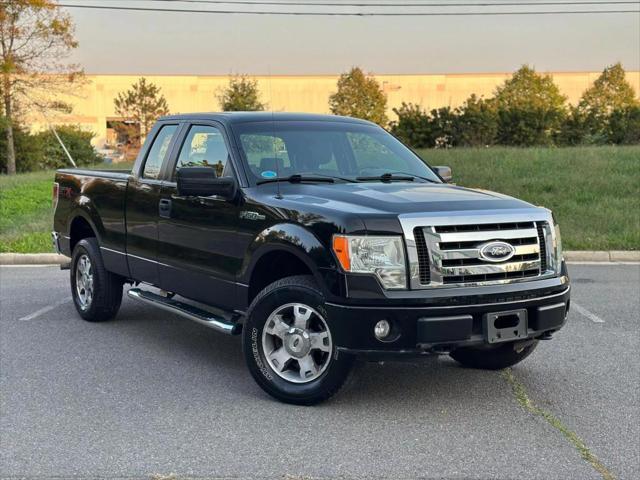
x,y
476,123
609,92
142,104
359,96
530,109
36,36
241,95
27,149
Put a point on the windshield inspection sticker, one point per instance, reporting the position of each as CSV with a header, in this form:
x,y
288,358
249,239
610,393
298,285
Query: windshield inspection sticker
x,y
269,174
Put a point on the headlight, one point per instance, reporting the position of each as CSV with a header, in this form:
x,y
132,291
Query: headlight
x,y
380,256
558,247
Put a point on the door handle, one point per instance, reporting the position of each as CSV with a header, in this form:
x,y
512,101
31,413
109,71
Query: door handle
x,y
164,208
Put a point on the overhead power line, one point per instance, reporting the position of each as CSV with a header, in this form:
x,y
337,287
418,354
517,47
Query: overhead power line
x,y
345,14
399,4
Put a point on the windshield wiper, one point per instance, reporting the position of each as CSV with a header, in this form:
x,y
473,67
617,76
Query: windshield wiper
x,y
297,178
394,176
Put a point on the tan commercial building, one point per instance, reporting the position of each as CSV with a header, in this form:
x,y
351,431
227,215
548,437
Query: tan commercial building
x,y
93,107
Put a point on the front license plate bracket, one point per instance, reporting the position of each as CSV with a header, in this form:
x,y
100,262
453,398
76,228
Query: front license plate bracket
x,y
505,326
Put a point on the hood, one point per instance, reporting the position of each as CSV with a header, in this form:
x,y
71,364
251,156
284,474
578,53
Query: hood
x,y
390,198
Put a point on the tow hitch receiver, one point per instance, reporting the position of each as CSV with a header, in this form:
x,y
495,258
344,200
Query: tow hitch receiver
x,y
505,326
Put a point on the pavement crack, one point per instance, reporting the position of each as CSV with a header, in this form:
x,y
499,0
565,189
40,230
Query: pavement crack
x,y
520,392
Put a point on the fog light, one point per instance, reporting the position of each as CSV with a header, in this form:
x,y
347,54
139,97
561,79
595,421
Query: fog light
x,y
382,329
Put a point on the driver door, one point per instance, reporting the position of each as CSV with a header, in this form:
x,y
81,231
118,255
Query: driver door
x,y
198,253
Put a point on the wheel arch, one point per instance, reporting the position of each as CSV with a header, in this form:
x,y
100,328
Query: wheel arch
x,y
81,226
285,250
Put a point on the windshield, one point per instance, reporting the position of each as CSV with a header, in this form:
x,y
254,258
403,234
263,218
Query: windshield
x,y
339,150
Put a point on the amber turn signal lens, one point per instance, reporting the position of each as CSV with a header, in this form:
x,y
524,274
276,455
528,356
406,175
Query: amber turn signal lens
x,y
341,249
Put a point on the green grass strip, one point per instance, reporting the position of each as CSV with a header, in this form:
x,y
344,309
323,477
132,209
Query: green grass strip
x,y
521,395
591,190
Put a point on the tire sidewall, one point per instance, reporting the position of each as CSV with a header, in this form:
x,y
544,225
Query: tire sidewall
x,y
330,380
86,247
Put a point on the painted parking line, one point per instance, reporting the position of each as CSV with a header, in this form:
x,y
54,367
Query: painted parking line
x,y
43,310
586,313
39,265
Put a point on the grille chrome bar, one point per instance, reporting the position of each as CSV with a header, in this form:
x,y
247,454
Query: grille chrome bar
x,y
490,268
473,252
444,248
487,235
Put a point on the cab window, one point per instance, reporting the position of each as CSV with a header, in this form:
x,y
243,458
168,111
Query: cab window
x,y
204,146
266,154
158,151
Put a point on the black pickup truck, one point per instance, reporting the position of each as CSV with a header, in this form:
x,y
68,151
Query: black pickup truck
x,y
318,239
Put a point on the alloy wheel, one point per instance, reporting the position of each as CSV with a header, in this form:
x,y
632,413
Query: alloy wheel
x,y
297,343
84,281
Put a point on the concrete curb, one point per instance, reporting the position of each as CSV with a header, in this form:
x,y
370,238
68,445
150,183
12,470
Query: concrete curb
x,y
570,256
602,256
32,259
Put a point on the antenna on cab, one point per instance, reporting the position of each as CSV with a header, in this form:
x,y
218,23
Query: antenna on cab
x,y
273,137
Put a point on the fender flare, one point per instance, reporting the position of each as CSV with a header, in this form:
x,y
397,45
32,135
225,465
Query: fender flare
x,y
293,239
84,209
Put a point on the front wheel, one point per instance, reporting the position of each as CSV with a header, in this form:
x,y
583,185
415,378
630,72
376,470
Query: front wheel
x,y
494,358
288,345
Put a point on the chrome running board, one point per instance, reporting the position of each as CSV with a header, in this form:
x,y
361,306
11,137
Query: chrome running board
x,y
186,310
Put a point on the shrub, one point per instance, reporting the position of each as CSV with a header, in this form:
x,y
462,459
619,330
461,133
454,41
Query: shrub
x,y
443,127
43,151
476,123
413,126
530,109
28,150
624,125
77,141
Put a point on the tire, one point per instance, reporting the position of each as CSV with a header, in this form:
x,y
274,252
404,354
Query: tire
x,y
495,358
289,366
97,293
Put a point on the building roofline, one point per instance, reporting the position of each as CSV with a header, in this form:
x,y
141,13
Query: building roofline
x,y
264,116
333,75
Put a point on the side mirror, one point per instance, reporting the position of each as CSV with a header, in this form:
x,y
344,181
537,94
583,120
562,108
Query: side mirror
x,y
204,182
444,173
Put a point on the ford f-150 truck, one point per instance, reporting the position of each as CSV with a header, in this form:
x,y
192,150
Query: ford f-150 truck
x,y
317,239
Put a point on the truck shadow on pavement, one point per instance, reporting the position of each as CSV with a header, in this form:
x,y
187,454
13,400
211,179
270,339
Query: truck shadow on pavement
x,y
186,348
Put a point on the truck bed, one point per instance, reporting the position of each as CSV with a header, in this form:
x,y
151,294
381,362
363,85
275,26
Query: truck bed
x,y
97,172
95,199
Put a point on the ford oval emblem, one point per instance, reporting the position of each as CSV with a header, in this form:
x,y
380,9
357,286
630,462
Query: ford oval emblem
x,y
497,251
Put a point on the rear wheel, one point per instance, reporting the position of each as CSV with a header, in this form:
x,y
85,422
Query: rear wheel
x,y
494,358
288,345
97,293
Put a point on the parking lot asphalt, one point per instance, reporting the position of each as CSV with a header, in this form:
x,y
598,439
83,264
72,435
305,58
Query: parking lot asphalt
x,y
153,394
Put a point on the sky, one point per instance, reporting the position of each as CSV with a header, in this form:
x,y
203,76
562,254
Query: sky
x,y
188,43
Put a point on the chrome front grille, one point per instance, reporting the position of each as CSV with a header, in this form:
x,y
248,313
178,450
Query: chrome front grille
x,y
543,245
423,256
447,252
